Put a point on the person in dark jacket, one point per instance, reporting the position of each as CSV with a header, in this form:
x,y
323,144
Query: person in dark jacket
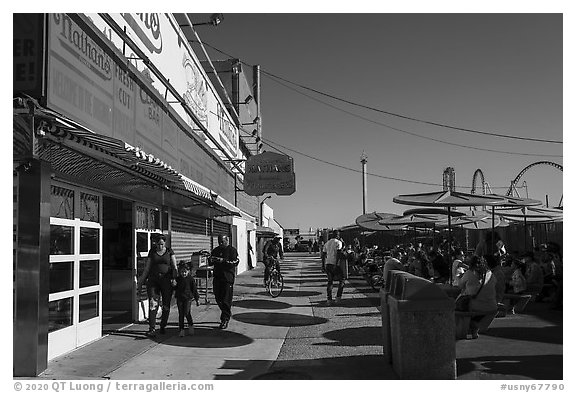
x,y
160,277
186,290
225,259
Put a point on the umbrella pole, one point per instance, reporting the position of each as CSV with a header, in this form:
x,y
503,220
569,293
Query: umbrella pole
x,y
450,244
433,235
525,235
492,238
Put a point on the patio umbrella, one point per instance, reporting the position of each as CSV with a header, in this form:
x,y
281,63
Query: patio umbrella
x,y
422,218
448,199
371,221
512,202
530,214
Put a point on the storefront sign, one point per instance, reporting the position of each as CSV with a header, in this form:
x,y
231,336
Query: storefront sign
x,y
88,86
160,38
270,173
80,75
27,53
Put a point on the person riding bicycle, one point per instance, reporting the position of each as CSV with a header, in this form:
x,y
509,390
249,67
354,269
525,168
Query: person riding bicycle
x,y
272,249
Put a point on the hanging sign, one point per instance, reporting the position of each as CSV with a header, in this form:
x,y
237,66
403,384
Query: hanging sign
x,y
269,173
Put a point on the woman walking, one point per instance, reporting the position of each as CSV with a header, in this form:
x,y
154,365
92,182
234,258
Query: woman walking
x,y
160,275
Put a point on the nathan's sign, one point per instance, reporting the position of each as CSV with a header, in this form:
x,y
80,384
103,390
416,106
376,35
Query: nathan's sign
x,y
269,173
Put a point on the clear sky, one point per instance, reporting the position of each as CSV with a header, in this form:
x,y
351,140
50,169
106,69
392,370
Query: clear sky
x,y
497,73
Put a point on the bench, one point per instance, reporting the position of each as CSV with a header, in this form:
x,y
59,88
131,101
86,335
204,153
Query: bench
x,y
520,300
462,320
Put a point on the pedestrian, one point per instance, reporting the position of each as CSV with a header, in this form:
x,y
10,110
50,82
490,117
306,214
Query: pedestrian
x,y
333,249
250,252
160,275
186,290
225,259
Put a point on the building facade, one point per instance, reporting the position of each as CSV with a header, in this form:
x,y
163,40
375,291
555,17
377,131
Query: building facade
x,y
119,135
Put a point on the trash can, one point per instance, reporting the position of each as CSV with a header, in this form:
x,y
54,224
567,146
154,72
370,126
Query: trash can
x,y
421,318
385,312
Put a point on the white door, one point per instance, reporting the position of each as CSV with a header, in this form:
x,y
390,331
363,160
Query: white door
x,y
75,273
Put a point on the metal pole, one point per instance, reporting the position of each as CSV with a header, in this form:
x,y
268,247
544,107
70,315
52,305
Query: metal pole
x,y
525,234
450,244
256,91
363,160
492,238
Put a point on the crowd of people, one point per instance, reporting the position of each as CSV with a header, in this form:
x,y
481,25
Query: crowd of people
x,y
490,278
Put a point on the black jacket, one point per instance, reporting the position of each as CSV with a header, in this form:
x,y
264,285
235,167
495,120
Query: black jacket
x,y
225,271
186,288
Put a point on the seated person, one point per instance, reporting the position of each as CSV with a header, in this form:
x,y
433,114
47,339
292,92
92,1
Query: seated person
x,y
534,275
480,283
393,263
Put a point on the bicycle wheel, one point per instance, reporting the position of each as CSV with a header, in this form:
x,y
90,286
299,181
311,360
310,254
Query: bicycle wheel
x,y
276,284
376,282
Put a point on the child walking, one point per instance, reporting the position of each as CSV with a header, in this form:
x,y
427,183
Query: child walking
x,y
186,290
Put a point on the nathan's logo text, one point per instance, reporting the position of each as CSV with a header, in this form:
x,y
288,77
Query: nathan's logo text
x,y
147,28
80,45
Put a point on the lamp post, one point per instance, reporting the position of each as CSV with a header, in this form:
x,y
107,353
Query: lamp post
x,y
364,160
261,212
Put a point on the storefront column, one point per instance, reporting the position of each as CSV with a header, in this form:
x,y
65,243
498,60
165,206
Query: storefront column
x,y
31,282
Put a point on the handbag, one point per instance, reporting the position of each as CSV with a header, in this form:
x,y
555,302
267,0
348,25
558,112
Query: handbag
x,y
462,302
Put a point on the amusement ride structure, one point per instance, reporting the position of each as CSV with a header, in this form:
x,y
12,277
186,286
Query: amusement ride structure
x,y
513,189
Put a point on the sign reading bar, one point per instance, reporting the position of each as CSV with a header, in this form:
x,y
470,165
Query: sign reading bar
x,y
269,173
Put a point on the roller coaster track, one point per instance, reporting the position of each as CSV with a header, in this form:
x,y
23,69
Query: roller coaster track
x,y
476,174
523,171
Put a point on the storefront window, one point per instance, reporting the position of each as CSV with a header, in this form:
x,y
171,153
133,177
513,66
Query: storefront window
x,y
61,276
62,203
60,314
142,217
61,240
89,207
154,219
88,306
89,241
89,273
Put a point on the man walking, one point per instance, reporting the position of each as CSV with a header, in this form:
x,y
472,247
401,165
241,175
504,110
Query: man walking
x,y
225,259
332,249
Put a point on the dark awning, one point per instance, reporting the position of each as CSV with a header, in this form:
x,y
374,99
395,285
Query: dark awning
x,y
77,153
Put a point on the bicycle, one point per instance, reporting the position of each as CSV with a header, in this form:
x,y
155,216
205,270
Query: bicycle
x,y
275,282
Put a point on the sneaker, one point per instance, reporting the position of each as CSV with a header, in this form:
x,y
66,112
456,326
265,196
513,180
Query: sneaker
x,y
182,334
151,333
223,325
329,302
191,331
338,300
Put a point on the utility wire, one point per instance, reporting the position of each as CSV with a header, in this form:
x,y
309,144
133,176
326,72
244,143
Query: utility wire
x,y
412,133
391,113
272,144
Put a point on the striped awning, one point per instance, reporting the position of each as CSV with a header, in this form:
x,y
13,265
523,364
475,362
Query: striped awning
x,y
109,163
